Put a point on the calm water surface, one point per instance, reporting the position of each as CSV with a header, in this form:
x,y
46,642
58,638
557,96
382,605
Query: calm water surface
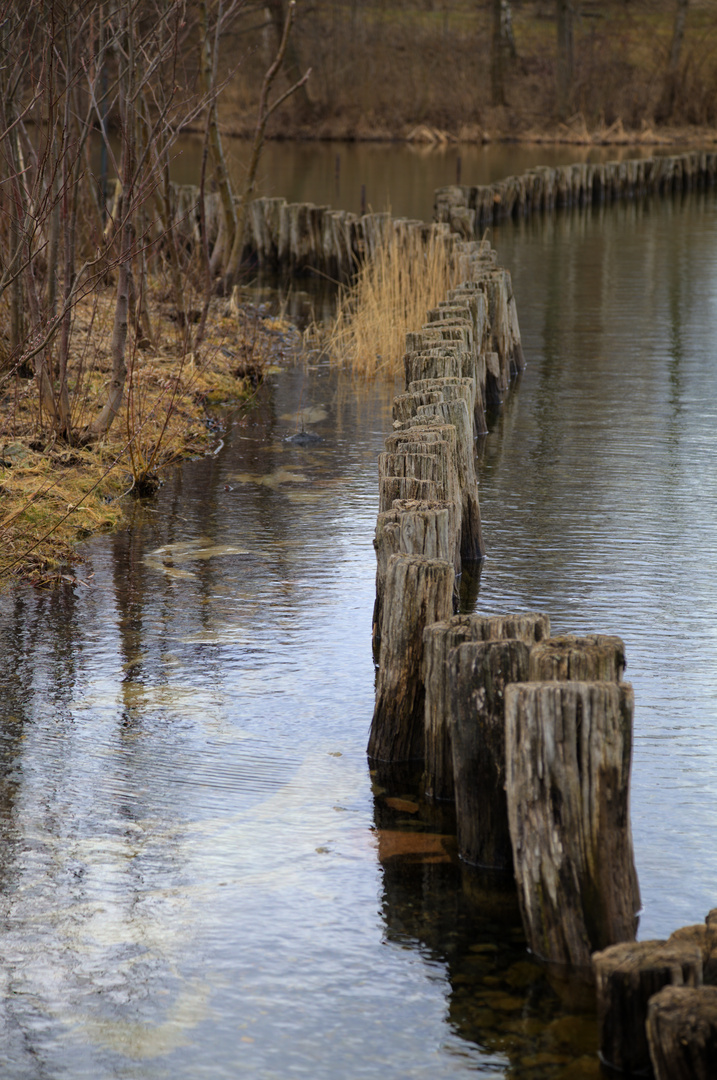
x,y
397,176
196,876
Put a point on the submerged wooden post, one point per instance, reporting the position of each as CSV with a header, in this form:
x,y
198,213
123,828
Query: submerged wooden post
x,y
627,975
438,641
682,1033
568,751
478,673
418,591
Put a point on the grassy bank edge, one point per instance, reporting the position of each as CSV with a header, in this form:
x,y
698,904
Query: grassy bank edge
x,y
54,497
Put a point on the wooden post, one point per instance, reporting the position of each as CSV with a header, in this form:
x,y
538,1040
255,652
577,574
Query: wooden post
x,y
410,528
456,413
478,673
453,389
451,363
405,405
682,1033
436,363
438,641
627,976
438,442
704,936
588,659
391,488
418,591
568,750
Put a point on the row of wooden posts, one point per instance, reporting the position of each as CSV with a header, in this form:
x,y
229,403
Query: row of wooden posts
x,y
287,238
293,238
468,210
530,735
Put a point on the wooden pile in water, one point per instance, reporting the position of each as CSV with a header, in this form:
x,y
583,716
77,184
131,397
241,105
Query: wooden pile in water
x,y
468,210
456,366
294,238
529,735
287,238
656,1016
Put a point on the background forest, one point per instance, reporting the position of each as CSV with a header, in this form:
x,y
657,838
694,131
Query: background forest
x,y
472,67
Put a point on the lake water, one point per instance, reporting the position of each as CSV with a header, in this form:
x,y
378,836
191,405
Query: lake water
x,y
397,176
197,878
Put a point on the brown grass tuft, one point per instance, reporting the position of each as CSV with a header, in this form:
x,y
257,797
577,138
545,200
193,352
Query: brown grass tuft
x,y
391,295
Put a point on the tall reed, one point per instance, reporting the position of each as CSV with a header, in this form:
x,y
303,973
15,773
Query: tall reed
x,y
391,294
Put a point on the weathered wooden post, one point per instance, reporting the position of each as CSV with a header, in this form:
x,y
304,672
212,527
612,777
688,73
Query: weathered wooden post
x,y
439,441
588,659
418,591
456,413
451,389
391,488
568,751
704,936
449,362
405,405
682,1033
627,976
478,673
438,641
410,528
439,362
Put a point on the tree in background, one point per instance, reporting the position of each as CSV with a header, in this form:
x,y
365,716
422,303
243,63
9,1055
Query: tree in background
x,y
121,75
502,49
279,12
566,54
667,101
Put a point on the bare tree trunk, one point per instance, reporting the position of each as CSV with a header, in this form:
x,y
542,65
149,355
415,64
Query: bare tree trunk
x,y
678,33
125,238
668,98
22,215
502,49
118,346
279,11
209,56
565,17
497,56
264,113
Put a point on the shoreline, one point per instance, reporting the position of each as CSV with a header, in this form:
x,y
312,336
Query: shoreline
x,y
573,132
55,495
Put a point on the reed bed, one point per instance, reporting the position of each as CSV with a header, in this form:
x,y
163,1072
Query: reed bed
x,y
390,295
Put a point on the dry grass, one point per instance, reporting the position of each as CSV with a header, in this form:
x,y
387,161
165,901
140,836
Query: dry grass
x,y
391,295
53,495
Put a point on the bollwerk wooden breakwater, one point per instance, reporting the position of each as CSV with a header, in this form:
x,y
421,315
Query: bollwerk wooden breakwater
x,y
290,239
528,734
469,210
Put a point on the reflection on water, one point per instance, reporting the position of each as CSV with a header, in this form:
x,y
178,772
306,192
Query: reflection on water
x,y
400,177
198,875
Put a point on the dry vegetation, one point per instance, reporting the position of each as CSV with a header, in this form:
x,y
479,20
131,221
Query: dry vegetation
x,y
53,494
114,330
381,70
391,295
